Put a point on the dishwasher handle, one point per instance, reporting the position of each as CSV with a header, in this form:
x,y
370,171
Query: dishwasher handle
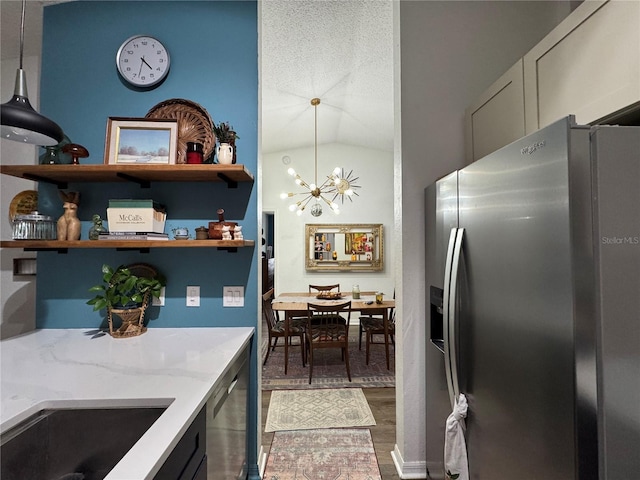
x,y
223,394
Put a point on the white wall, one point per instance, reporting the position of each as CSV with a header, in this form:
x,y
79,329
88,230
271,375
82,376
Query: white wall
x,y
449,53
18,294
373,205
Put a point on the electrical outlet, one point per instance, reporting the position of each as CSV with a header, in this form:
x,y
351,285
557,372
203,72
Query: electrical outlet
x,y
233,296
193,296
159,301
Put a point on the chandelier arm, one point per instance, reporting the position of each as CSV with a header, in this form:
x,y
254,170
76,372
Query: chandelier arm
x,y
326,183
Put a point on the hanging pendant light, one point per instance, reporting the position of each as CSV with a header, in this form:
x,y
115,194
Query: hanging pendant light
x,y
20,122
315,192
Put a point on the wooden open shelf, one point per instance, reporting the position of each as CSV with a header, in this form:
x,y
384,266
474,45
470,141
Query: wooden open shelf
x,y
62,175
59,245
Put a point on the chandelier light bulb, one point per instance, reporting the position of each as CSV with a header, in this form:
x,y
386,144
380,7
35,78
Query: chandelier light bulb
x,y
348,192
336,171
284,195
291,172
292,207
299,212
298,181
312,186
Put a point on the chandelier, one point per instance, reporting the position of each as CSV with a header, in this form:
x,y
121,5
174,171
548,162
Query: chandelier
x,y
337,183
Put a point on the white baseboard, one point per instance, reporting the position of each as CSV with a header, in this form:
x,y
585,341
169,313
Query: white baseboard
x,y
262,460
408,470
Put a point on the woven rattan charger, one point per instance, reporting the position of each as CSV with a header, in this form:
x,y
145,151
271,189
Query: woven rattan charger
x,y
194,125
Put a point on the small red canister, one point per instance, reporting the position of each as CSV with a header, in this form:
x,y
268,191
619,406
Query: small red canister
x,y
194,153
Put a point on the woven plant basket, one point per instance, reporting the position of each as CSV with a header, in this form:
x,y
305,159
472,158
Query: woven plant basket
x,y
132,321
194,125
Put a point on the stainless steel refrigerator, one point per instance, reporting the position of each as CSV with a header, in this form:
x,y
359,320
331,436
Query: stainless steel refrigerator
x,y
533,297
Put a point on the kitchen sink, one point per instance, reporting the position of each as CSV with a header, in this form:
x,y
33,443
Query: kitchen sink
x,y
72,444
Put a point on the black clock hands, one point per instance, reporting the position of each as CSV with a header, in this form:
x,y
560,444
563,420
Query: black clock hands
x,y
145,62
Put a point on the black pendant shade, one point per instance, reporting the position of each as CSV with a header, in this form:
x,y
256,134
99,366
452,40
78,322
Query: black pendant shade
x,y
20,122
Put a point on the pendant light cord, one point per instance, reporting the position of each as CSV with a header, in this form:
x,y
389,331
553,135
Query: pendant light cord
x,y
22,31
315,142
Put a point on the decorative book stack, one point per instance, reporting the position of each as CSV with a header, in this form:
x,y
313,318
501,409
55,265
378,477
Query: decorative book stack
x,y
133,236
136,217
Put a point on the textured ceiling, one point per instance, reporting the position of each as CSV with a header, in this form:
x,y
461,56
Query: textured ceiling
x,y
10,11
340,51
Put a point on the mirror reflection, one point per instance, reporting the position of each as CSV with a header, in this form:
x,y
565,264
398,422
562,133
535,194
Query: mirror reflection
x,y
344,247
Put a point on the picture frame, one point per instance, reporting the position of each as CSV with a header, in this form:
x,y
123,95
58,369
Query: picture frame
x,y
344,247
141,141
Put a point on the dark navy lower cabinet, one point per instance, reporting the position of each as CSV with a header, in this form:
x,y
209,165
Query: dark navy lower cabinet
x,y
187,459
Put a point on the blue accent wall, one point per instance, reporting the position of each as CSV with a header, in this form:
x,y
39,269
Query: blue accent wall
x,y
214,62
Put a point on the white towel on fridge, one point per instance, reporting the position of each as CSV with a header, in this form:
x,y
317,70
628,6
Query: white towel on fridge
x,y
456,466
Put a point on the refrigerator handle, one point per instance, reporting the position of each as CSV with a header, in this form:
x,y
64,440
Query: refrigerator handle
x,y
453,323
446,314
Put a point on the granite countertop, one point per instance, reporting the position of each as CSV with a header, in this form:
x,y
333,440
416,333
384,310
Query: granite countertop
x,y
174,367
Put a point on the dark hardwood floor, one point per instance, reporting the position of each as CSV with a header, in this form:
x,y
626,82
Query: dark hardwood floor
x,y
382,402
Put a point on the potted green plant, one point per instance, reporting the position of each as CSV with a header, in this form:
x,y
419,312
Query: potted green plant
x,y
225,133
125,292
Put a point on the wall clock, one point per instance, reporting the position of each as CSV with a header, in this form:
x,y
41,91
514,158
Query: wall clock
x,y
143,61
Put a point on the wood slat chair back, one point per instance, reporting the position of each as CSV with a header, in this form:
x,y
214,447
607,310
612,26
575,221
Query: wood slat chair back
x,y
324,288
323,331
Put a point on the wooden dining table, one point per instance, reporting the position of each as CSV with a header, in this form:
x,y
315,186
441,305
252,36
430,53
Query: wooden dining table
x,y
295,305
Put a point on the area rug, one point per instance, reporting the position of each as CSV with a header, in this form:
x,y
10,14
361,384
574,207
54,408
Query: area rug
x,y
324,408
335,454
329,370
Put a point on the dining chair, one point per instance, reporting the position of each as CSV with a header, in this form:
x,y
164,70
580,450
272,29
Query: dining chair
x,y
376,314
372,326
323,332
327,288
276,327
324,288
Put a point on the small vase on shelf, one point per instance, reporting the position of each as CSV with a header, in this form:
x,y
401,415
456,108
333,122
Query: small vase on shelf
x,y
225,154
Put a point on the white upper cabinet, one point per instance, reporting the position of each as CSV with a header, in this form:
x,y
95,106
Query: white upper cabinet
x,y
588,66
497,117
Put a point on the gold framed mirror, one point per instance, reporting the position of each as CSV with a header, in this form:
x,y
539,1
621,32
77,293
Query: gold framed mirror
x,y
344,247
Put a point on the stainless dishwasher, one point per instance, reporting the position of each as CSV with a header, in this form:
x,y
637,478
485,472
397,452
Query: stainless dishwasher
x,y
227,423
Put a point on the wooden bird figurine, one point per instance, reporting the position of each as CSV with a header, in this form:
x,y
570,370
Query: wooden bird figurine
x,y
69,226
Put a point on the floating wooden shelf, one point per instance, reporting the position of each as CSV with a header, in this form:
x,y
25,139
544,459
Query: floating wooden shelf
x,y
60,245
62,175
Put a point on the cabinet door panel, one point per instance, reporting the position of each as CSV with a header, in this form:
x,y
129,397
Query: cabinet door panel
x,y
588,66
497,118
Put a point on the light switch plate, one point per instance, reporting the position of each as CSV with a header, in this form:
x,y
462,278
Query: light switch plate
x,y
233,296
193,296
159,301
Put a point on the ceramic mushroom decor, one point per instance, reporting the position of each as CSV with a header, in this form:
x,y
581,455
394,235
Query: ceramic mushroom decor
x,y
76,151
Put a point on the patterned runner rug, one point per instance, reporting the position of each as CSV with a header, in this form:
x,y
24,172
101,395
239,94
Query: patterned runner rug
x,y
329,370
324,408
336,454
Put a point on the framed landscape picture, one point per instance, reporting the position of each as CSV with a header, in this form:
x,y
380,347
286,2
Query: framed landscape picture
x,y
141,141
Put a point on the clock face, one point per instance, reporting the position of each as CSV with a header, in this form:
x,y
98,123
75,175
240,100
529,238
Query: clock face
x,y
143,61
